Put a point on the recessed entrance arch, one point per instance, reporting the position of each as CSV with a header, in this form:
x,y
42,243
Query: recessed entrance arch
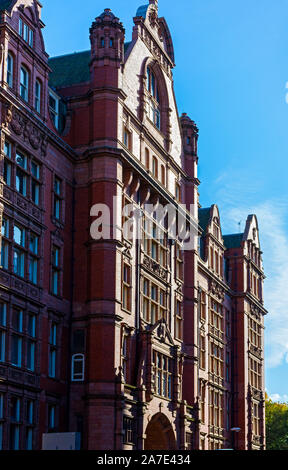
x,y
159,434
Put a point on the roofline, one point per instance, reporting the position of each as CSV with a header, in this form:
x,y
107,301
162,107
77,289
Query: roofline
x,y
233,235
67,55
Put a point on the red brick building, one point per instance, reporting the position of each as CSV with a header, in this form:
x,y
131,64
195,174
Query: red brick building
x,y
136,344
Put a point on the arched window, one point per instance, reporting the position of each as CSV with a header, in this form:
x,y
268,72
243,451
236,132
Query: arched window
x,y
155,167
163,179
38,96
10,66
77,372
24,83
147,159
153,101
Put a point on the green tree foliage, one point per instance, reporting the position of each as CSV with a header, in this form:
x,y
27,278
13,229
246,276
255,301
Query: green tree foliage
x,y
276,425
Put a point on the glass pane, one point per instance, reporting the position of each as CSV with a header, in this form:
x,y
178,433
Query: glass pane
x,y
2,346
19,236
16,353
18,262
35,192
30,355
4,255
32,325
35,170
20,182
31,38
17,320
33,269
21,160
7,173
7,149
26,32
3,311
5,227
33,246
57,186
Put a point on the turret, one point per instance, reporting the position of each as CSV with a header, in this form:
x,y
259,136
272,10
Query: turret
x,y
107,36
190,148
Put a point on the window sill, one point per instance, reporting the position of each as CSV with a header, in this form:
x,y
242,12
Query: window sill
x,y
126,311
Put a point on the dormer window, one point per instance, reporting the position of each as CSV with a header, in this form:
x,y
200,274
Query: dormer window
x,y
102,42
153,100
26,33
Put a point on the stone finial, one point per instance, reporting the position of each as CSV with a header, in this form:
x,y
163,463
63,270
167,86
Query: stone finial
x,y
154,2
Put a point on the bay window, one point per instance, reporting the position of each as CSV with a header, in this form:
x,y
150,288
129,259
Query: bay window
x,y
154,302
162,375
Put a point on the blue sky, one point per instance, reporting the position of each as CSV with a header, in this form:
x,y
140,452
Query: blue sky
x,y
230,77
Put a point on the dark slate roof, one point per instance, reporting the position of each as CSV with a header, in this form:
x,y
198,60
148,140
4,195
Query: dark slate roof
x,y
71,69
6,4
142,11
204,216
233,241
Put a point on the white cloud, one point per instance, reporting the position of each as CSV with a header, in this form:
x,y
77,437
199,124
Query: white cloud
x,y
279,398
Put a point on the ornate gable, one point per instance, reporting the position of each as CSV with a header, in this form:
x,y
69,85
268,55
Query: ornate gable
x,y
162,332
155,34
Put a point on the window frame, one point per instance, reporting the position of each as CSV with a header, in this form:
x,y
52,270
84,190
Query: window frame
x,y
54,111
38,95
10,70
24,87
79,358
162,376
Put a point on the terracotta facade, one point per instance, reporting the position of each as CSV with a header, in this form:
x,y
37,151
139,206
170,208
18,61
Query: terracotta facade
x,y
136,344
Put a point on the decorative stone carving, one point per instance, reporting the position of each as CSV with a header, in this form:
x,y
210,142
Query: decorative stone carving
x,y
7,193
255,311
21,203
255,351
23,126
217,290
18,124
6,114
155,268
